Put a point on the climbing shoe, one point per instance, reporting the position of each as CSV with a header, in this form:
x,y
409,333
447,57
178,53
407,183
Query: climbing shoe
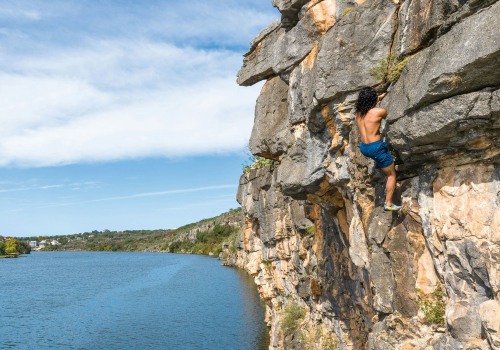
x,y
392,207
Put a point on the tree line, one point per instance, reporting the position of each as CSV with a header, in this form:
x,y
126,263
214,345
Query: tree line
x,y
12,246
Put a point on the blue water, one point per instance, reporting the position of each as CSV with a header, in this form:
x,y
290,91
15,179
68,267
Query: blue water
x,y
97,300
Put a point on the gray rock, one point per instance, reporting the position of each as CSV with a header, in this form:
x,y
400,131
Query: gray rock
x,y
358,250
383,281
465,59
299,216
423,21
356,44
379,225
270,28
495,109
301,93
259,61
464,325
458,124
270,134
280,49
466,277
490,320
302,168
290,8
447,343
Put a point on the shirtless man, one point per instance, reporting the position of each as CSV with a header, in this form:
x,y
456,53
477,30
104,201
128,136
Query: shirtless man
x,y
369,117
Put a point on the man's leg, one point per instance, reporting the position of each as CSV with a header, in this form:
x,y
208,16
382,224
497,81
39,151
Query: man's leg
x,y
390,171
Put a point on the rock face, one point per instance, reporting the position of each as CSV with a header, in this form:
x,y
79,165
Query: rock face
x,y
334,269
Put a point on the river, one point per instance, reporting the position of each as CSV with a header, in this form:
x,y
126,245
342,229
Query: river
x,y
101,300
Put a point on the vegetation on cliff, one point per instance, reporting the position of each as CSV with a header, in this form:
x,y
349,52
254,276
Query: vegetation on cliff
x,y
433,306
390,68
293,317
256,162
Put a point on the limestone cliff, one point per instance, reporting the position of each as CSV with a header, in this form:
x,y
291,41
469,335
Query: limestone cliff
x,y
334,269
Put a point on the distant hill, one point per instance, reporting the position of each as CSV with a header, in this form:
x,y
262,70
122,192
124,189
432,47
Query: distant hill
x,y
202,237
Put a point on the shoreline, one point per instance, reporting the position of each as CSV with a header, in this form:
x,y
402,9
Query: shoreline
x,y
9,256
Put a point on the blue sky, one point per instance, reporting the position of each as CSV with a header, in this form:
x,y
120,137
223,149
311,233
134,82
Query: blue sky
x,y
122,114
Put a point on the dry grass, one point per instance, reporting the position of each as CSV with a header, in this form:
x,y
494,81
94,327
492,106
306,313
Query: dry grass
x,y
455,80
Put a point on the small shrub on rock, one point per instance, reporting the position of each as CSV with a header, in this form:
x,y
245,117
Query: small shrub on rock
x,y
257,163
294,315
433,306
390,68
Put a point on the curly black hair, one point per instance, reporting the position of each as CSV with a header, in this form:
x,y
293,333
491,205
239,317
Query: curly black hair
x,y
367,99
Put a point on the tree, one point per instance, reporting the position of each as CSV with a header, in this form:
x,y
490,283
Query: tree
x,y
23,247
11,246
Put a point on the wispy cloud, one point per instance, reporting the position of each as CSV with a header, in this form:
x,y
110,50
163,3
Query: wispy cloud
x,y
129,196
210,202
117,90
162,193
13,13
30,188
38,187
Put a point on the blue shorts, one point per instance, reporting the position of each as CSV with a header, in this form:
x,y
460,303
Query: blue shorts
x,y
378,152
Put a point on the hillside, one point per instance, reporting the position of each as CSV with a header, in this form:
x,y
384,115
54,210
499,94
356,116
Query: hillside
x,y
203,237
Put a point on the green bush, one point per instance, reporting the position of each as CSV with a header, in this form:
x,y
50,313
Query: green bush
x,y
234,240
257,162
164,246
390,68
180,246
215,234
433,305
293,317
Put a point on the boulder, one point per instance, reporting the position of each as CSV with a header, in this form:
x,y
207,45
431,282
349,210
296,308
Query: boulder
x,y
423,21
383,281
490,320
464,324
290,8
279,49
465,59
356,44
271,136
459,124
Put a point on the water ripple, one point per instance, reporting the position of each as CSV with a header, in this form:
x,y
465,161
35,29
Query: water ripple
x,y
87,301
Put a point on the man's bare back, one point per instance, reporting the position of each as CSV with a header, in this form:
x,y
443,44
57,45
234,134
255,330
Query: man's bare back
x,y
369,118
369,125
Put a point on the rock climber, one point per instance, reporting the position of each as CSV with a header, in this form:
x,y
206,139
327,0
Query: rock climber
x,y
369,117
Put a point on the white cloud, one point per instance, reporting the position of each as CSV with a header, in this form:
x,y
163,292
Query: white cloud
x,y
116,100
215,116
